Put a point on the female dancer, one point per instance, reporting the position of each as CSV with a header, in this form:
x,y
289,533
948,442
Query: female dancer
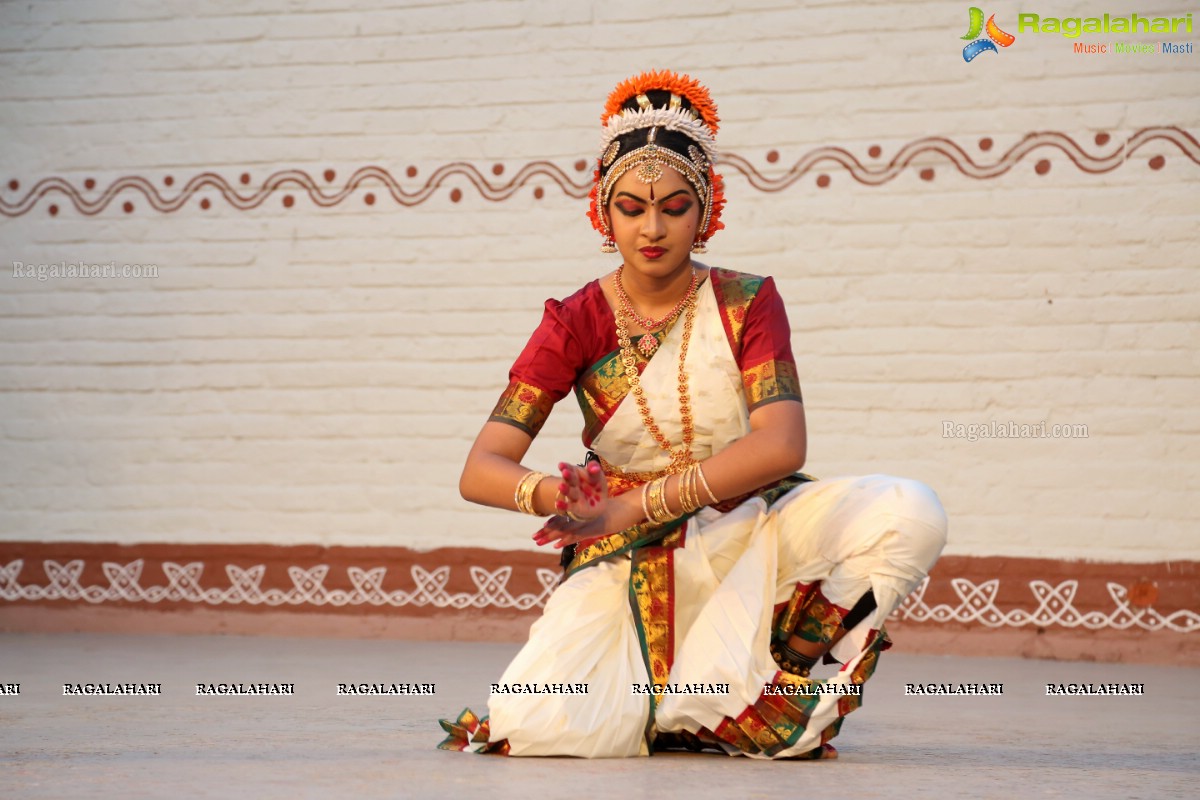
x,y
704,576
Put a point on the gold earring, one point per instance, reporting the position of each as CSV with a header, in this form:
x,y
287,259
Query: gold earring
x,y
609,246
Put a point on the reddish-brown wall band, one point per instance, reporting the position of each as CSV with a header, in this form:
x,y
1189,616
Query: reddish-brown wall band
x,y
971,605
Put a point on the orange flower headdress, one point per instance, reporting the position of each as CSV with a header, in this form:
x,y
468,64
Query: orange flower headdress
x,y
656,120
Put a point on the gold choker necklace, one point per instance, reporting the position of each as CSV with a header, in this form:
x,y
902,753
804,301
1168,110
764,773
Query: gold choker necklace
x,y
650,342
681,458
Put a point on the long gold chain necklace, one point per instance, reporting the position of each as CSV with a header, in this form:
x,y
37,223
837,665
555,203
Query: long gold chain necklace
x,y
682,457
649,341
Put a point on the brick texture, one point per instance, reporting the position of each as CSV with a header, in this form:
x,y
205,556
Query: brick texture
x,y
307,375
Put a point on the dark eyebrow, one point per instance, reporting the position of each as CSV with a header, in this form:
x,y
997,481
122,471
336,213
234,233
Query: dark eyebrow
x,y
660,200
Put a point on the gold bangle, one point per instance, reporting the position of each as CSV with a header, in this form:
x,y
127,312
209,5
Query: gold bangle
x,y
660,512
523,497
704,483
683,492
651,488
651,493
517,491
660,498
531,489
693,493
519,494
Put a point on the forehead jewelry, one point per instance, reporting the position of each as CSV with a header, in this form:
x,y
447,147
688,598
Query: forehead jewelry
x,y
651,167
647,163
698,122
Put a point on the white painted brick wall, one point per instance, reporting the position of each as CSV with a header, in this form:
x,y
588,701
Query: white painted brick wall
x,y
311,375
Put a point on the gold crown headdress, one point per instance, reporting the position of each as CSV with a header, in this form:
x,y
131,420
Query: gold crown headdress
x,y
686,110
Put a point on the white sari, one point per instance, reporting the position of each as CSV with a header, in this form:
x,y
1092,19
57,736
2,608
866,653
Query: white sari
x,y
731,576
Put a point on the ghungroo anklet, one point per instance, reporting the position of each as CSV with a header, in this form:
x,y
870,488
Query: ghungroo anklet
x,y
791,661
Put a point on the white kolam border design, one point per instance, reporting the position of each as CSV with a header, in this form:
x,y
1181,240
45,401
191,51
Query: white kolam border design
x,y
1056,606
245,587
976,602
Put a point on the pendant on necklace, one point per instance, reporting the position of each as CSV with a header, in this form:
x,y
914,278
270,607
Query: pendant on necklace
x,y
648,344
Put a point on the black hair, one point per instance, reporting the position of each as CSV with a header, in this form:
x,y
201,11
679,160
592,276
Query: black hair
x,y
671,140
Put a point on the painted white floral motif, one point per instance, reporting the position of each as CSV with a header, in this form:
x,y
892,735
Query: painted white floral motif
x,y
245,587
976,602
1056,606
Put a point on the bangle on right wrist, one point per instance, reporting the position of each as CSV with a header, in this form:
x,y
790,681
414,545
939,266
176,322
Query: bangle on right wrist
x,y
523,497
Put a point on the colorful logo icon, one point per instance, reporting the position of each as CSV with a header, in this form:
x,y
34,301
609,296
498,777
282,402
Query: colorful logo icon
x,y
994,35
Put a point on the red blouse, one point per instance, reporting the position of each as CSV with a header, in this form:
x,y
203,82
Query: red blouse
x,y
575,347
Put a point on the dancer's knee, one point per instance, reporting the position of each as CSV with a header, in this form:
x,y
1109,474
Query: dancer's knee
x,y
919,518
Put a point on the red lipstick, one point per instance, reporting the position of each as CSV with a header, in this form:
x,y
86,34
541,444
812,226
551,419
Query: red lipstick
x,y
652,252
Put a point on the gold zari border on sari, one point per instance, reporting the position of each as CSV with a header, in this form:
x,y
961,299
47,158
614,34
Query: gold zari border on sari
x,y
620,543
601,389
775,722
770,381
735,292
651,589
523,405
808,615
646,533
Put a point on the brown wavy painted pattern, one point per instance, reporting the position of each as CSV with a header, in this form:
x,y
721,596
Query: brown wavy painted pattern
x,y
373,179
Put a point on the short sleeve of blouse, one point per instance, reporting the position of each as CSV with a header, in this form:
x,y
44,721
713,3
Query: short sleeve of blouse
x,y
767,364
544,372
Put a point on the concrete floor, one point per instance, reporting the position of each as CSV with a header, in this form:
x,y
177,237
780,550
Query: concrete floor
x,y
317,744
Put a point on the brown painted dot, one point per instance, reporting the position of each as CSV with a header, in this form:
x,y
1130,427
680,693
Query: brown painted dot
x,y
288,201
985,143
539,192
127,207
455,195
581,165
1102,138
369,198
497,169
1157,162
822,181
14,184
245,178
411,172
874,150
1143,593
53,209
330,175
772,156
90,183
927,174
204,203
168,180
1042,167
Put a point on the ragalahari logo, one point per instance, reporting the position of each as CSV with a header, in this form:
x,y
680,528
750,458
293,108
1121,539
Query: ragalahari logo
x,y
994,35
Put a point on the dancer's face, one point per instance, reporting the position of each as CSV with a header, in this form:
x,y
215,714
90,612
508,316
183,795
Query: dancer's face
x,y
654,234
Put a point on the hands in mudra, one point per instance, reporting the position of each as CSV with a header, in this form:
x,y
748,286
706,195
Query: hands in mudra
x,y
583,508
